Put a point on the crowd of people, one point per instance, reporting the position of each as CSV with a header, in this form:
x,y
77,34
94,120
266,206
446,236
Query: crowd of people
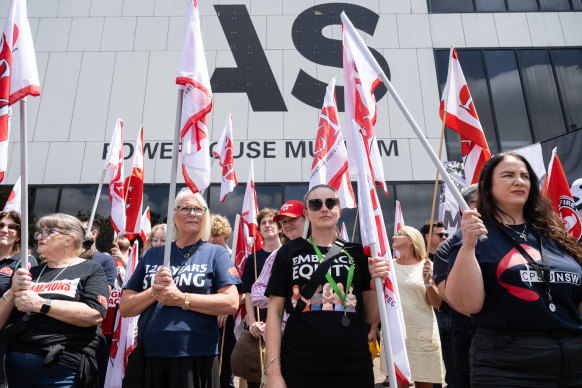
x,y
505,311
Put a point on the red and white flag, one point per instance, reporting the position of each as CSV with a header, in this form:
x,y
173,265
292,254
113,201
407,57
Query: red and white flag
x,y
134,189
146,225
123,334
373,231
557,191
114,163
13,203
330,158
360,81
223,151
18,74
252,239
462,117
344,232
398,223
240,251
193,79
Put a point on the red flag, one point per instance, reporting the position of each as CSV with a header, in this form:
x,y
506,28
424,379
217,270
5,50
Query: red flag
x,y
360,81
223,151
193,78
13,203
115,164
398,223
248,220
124,333
330,158
18,74
146,225
240,253
373,231
134,189
557,191
462,118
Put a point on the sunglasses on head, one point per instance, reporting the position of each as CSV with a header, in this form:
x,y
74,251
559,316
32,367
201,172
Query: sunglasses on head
x,y
442,234
15,227
316,203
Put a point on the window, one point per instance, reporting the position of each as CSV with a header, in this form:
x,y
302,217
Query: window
x,y
568,65
450,6
522,5
490,5
456,6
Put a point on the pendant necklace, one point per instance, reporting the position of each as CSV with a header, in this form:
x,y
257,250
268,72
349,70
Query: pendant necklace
x,y
520,234
187,255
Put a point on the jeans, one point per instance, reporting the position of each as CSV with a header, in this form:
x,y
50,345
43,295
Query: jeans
x,y
25,370
446,333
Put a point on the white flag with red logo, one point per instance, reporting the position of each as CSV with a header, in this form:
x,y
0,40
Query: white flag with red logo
x,y
373,231
134,189
398,223
462,117
114,163
13,202
193,79
360,81
223,151
240,251
122,343
330,157
557,191
146,225
18,74
248,220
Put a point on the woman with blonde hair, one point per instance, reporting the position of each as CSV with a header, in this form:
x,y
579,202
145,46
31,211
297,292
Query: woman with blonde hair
x,y
418,295
50,317
156,238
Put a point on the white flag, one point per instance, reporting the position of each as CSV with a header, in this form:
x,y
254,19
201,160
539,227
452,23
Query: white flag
x,y
223,151
146,225
115,165
13,203
398,223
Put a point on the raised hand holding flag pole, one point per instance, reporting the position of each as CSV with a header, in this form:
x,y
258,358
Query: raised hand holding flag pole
x,y
357,39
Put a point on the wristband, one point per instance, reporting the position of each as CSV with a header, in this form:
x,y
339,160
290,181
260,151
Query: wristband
x,y
269,363
5,296
428,285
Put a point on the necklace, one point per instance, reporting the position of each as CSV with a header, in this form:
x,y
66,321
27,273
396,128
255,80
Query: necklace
x,y
521,234
59,274
187,255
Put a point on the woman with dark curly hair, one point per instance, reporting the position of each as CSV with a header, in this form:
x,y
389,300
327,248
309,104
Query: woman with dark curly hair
x,y
522,286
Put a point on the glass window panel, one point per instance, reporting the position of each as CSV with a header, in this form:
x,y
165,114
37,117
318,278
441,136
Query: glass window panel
x,y
508,102
231,206
490,5
555,5
541,94
416,202
43,201
450,6
269,196
568,65
295,192
577,4
156,197
522,5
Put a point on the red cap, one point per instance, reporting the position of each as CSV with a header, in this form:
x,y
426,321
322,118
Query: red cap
x,y
291,209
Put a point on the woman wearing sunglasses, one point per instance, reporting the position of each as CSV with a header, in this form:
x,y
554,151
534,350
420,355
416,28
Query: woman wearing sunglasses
x,y
418,295
10,248
326,338
521,286
178,306
50,316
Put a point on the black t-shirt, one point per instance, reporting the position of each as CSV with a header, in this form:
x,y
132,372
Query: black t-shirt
x,y
248,275
84,282
8,266
315,339
108,264
515,299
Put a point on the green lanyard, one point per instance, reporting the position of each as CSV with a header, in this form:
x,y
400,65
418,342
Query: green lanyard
x,y
330,279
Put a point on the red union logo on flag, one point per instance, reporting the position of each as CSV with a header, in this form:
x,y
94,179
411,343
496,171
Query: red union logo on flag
x,y
570,216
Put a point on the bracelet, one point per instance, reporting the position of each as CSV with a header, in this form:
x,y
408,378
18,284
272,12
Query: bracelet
x,y
269,363
5,297
186,305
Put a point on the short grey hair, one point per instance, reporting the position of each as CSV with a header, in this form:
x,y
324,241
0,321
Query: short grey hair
x,y
185,192
468,192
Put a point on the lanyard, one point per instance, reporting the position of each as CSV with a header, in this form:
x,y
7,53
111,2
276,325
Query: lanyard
x,y
330,279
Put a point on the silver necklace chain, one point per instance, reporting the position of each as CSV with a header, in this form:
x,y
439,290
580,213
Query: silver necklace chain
x,y
59,274
521,234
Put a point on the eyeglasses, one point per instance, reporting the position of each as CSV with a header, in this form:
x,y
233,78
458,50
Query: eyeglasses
x,y
186,210
45,233
398,234
442,234
14,227
316,203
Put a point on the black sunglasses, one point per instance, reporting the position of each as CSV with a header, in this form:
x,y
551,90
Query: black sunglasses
x,y
442,234
316,203
15,227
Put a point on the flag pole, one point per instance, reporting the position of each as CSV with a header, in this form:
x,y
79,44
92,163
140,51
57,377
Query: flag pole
x,y
23,186
434,158
172,194
258,312
436,185
355,222
366,211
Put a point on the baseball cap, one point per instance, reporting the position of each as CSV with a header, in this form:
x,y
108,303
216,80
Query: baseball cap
x,y
291,209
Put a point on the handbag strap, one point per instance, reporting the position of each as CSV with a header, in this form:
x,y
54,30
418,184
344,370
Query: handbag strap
x,y
154,306
318,275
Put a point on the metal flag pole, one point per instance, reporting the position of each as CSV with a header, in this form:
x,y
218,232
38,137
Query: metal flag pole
x,y
23,186
434,158
172,194
365,216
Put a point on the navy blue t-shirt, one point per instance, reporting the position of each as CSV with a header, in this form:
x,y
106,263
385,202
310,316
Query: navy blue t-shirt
x,y
515,299
248,275
8,266
108,264
171,331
